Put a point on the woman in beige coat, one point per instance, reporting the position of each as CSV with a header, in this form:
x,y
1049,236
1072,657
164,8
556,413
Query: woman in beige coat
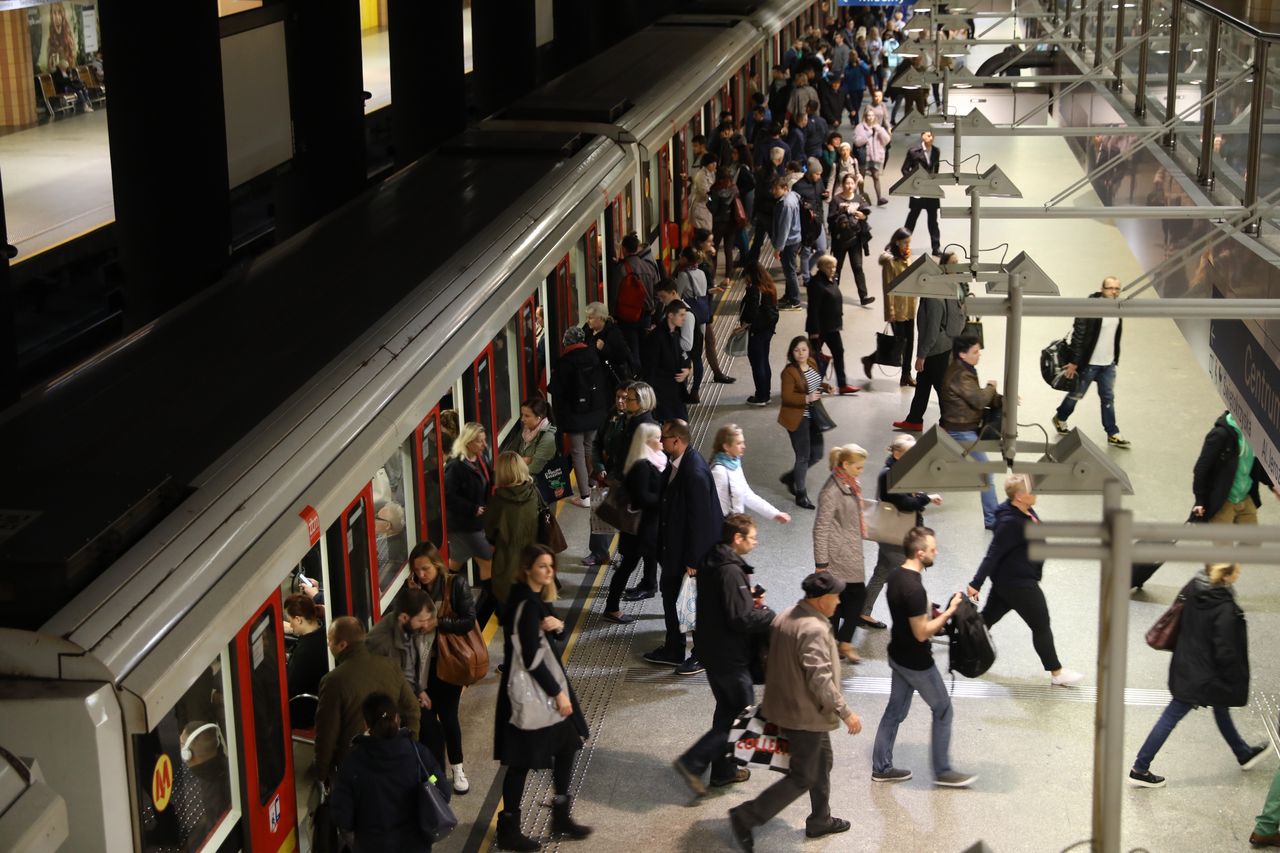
x,y
838,531
899,311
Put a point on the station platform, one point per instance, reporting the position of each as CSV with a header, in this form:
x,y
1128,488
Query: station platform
x,y
57,174
1031,743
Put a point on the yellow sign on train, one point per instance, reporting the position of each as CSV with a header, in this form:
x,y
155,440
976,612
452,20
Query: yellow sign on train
x,y
162,783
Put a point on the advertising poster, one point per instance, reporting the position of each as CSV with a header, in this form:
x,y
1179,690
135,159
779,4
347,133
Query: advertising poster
x,y
58,33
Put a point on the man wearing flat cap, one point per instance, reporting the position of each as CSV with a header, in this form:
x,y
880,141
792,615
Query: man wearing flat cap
x,y
802,697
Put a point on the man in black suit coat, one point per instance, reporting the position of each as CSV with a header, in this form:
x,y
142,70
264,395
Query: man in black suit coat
x,y
923,155
689,522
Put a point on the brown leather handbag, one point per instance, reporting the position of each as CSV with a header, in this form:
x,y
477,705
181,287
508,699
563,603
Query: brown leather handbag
x,y
461,659
1163,636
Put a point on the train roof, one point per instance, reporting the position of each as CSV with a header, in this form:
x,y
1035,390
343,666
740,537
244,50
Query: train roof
x,y
103,453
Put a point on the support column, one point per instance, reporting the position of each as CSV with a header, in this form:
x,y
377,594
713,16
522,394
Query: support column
x,y
1113,637
581,31
8,327
17,89
1257,114
1171,92
1097,36
1205,172
426,46
168,153
503,51
326,85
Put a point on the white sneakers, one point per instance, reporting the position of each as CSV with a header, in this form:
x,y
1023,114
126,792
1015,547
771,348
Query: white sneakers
x,y
1067,677
460,783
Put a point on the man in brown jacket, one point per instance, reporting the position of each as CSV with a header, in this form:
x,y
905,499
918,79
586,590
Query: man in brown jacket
x,y
963,402
802,696
339,716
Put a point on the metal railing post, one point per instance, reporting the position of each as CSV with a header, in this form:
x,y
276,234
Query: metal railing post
x,y
1097,43
1171,95
1144,53
1257,107
1117,83
1204,174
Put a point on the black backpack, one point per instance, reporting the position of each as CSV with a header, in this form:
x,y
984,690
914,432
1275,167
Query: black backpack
x,y
586,381
972,650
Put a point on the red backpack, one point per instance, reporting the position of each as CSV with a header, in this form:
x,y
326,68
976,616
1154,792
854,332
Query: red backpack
x,y
632,297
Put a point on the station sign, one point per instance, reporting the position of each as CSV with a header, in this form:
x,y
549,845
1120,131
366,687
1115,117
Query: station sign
x,y
1248,380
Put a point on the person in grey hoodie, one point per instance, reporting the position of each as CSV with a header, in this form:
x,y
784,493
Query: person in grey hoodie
x,y
786,238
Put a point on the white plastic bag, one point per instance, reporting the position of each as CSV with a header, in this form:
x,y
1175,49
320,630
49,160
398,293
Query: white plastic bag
x,y
687,604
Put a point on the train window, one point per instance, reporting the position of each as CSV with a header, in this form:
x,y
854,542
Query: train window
x,y
188,791
393,508
431,484
628,208
528,352
502,374
484,395
268,727
350,583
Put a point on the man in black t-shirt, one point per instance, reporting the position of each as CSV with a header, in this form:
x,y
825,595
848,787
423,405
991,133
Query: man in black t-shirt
x,y
911,663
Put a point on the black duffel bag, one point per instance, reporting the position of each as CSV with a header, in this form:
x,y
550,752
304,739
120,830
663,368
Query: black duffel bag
x,y
1053,362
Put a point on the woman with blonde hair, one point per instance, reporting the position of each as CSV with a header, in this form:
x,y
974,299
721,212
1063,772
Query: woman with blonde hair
x,y
510,523
467,480
642,479
1210,668
838,531
528,617
736,495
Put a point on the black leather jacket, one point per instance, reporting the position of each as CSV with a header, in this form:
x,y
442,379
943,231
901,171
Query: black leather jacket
x,y
1084,337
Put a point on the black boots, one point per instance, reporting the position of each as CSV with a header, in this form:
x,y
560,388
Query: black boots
x,y
563,823
509,835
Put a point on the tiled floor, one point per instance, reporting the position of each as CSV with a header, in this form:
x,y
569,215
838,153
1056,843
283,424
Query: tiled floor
x,y
1031,743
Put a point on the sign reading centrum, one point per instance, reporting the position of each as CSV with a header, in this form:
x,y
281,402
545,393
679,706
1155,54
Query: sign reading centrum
x,y
1249,382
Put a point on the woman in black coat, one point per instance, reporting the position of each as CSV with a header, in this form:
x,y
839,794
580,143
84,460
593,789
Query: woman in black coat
x,y
643,482
604,337
1210,668
580,396
309,660
375,794
760,317
825,318
530,615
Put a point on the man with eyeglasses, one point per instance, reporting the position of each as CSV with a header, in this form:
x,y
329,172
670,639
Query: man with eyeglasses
x,y
689,521
1094,355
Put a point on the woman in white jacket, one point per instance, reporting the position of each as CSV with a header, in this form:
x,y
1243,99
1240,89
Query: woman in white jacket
x,y
731,481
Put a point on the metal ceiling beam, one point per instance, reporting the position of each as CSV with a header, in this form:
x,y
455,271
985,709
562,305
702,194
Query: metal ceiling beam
x,y
1126,212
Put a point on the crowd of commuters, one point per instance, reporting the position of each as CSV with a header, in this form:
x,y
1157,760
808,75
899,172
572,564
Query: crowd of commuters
x,y
793,174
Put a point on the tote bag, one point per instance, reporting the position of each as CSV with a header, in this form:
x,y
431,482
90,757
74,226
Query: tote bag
x,y
531,707
737,345
889,347
435,818
886,523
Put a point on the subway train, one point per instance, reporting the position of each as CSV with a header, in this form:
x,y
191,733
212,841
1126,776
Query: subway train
x,y
291,422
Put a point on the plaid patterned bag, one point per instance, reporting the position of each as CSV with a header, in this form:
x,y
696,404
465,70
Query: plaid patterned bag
x,y
756,741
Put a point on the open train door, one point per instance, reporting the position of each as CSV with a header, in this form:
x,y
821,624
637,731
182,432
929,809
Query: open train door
x,y
267,782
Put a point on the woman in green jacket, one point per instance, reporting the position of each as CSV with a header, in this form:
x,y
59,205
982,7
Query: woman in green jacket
x,y
510,522
537,442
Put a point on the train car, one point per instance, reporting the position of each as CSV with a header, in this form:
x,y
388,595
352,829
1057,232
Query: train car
x,y
293,422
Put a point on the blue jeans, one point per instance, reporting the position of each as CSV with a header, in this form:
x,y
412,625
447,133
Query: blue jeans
x,y
905,682
989,500
809,256
789,256
1105,376
1172,715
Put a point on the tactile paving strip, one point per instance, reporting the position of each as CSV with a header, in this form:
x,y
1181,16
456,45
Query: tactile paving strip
x,y
598,662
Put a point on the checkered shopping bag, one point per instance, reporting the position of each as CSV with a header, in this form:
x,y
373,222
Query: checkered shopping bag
x,y
756,741
598,494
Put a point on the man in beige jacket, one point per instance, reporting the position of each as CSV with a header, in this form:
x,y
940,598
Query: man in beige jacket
x,y
802,696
